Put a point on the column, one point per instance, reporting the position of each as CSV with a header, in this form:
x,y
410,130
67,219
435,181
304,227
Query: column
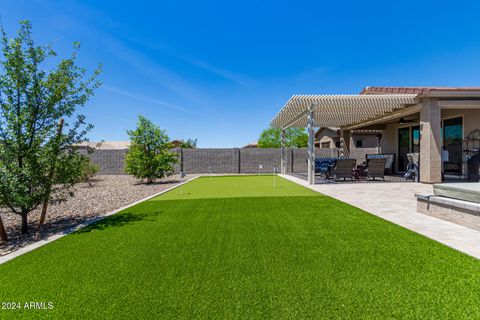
x,y
283,160
345,143
311,148
430,142
379,143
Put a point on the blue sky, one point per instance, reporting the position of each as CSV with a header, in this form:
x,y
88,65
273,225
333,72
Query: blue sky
x,y
219,71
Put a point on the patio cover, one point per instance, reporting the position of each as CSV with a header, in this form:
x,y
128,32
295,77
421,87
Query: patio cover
x,y
339,110
333,111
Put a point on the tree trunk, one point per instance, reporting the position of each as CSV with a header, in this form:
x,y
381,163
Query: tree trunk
x,y
24,216
3,234
51,176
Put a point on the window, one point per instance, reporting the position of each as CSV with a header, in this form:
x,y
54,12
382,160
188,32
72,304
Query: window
x,y
325,145
415,139
359,143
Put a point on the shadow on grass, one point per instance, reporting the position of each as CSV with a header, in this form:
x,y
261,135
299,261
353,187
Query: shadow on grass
x,y
157,182
118,220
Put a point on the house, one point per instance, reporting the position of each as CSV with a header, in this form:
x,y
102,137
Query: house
x,y
411,119
251,145
326,138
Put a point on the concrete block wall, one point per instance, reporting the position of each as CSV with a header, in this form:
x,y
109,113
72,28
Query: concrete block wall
x,y
221,160
251,158
299,158
109,161
360,154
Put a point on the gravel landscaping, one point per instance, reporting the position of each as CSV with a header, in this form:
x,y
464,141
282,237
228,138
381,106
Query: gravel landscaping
x,y
107,193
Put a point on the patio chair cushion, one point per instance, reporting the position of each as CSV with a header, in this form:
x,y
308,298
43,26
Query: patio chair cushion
x,y
322,165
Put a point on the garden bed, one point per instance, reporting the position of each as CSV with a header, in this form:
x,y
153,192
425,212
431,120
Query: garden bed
x,y
107,193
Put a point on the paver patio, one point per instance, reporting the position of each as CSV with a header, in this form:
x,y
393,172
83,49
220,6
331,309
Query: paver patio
x,y
396,202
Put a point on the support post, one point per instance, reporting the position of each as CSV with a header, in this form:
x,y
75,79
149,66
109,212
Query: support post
x,y
345,143
283,160
311,148
379,143
430,142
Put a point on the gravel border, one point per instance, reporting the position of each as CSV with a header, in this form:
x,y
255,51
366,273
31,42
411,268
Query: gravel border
x,y
107,194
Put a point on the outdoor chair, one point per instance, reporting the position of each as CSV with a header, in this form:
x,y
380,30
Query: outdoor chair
x,y
344,168
376,168
323,166
389,161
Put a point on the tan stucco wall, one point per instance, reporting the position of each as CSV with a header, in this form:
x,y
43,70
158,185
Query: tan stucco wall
x,y
471,121
389,141
326,138
327,135
471,118
369,141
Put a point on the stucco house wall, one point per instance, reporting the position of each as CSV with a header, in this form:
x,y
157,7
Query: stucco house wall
x,y
368,140
389,142
471,118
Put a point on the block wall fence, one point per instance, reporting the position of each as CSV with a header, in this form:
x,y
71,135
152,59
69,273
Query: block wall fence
x,y
225,160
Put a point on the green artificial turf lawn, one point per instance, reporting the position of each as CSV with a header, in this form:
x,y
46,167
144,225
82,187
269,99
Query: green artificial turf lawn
x,y
232,247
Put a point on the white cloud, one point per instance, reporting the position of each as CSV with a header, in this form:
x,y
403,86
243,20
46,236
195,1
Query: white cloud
x,y
147,99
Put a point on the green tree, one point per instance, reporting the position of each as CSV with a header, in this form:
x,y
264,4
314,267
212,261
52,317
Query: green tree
x,y
149,156
189,143
272,138
35,143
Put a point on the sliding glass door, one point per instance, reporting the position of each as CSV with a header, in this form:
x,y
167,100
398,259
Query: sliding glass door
x,y
403,148
452,140
408,141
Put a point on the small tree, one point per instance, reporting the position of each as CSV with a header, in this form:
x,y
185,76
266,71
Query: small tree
x,y
88,170
272,138
35,142
149,156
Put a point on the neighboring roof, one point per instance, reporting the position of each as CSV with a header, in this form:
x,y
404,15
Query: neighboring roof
x,y
251,145
339,110
106,145
415,90
357,131
176,143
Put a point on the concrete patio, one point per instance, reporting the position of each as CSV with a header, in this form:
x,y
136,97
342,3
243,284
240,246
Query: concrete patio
x,y
395,202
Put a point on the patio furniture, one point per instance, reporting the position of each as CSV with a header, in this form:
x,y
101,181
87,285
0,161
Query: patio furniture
x,y
376,168
323,166
389,161
473,165
344,168
360,171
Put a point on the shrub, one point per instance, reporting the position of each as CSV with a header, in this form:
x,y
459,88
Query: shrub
x,y
88,170
149,156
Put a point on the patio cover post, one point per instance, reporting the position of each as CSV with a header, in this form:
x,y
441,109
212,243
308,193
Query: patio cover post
x,y
311,148
345,143
283,162
430,141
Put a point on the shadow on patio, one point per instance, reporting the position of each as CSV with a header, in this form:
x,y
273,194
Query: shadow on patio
x,y
322,180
